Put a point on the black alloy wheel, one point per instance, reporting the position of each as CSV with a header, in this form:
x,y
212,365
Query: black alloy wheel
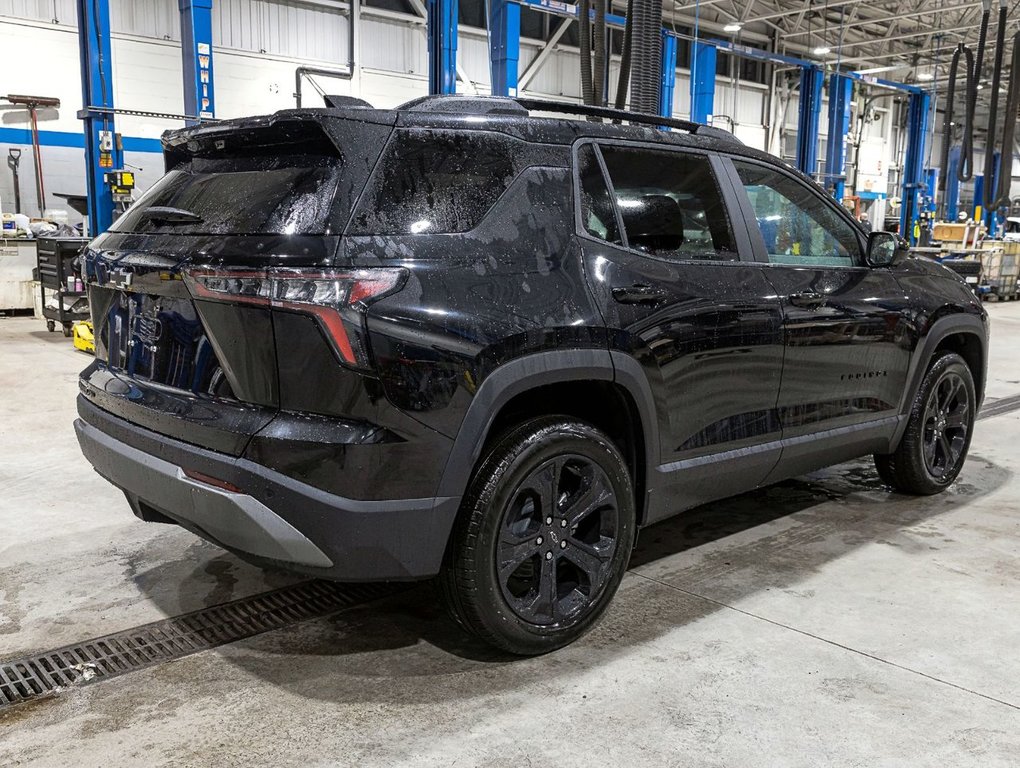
x,y
947,420
543,537
557,539
934,445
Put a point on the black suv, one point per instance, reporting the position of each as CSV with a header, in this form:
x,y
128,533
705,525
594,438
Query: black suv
x,y
479,340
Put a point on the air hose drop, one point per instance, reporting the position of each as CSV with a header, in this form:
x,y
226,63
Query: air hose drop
x,y
990,191
1009,129
624,79
965,171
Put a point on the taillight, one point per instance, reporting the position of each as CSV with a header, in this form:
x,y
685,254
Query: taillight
x,y
337,299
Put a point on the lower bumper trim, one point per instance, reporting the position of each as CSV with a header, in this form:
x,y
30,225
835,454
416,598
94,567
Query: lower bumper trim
x,y
234,519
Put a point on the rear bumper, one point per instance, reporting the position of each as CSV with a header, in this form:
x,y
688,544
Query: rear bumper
x,y
275,519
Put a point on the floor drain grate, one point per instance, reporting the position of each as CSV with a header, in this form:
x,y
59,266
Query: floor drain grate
x,y
999,406
121,652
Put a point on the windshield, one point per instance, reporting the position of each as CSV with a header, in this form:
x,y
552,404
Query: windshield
x,y
281,195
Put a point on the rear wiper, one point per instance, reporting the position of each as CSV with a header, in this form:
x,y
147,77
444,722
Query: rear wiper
x,y
168,214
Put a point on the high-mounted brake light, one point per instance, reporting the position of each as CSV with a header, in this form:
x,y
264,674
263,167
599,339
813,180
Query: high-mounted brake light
x,y
337,299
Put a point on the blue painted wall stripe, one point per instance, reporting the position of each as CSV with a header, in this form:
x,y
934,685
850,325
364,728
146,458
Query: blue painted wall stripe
x,y
73,140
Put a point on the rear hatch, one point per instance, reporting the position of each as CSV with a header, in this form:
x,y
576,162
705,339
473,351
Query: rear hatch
x,y
184,286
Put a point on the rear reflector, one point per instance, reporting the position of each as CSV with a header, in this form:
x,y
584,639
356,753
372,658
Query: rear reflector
x,y
215,482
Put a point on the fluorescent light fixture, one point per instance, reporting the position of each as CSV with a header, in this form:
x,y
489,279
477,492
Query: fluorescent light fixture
x,y
928,76
732,27
822,50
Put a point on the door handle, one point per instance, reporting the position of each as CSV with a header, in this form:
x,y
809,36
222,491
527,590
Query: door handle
x,y
639,293
807,299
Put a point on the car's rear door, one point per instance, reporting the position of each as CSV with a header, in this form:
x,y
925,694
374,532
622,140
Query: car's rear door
x,y
674,281
846,325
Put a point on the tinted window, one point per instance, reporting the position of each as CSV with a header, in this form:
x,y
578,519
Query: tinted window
x,y
670,203
282,194
434,181
796,224
597,214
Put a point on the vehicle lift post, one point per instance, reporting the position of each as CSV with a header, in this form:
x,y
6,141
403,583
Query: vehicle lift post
x,y
810,110
668,83
703,64
197,55
914,185
103,152
442,46
504,46
841,93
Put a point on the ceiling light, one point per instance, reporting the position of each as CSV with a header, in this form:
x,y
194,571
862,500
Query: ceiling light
x,y
733,27
925,76
822,50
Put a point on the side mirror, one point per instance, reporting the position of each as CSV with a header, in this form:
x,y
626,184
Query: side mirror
x,y
883,248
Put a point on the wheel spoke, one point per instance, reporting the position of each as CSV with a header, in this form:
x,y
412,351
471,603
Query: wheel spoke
x,y
946,451
513,551
593,497
545,601
588,559
929,452
958,418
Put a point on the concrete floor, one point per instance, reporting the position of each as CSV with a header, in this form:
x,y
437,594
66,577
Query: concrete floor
x,y
823,621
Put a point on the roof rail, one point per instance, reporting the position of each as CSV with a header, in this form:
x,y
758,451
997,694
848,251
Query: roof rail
x,y
460,104
568,108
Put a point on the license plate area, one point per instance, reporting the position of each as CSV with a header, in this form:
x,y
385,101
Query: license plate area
x,y
160,339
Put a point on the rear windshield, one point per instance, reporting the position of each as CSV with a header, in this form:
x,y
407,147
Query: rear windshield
x,y
272,195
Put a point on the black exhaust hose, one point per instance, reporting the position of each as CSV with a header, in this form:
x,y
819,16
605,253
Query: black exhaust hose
x,y
600,52
1009,128
990,190
972,86
624,81
947,120
965,172
647,56
584,35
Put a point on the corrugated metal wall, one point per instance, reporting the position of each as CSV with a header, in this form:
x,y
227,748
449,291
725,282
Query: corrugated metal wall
x,y
391,46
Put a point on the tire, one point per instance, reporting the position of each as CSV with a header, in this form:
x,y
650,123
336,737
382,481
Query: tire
x,y
50,326
935,443
528,569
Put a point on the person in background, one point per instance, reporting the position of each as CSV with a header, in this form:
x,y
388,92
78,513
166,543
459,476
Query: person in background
x,y
865,222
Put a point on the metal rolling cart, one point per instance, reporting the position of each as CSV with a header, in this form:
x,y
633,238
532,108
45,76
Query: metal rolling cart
x,y
61,281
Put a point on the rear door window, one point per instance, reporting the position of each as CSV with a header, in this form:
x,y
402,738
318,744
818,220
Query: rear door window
x,y
436,182
259,195
670,203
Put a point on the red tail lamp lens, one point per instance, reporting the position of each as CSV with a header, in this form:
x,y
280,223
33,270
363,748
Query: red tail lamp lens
x,y
336,299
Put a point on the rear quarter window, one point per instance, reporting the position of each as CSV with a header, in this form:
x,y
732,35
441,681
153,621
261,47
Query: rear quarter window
x,y
432,182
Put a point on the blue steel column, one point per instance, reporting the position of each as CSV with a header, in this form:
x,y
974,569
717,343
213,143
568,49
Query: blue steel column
x,y
807,119
196,50
668,82
504,46
102,152
951,204
913,164
703,56
841,93
442,40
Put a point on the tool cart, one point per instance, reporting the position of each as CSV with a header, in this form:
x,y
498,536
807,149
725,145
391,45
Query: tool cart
x,y
63,290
